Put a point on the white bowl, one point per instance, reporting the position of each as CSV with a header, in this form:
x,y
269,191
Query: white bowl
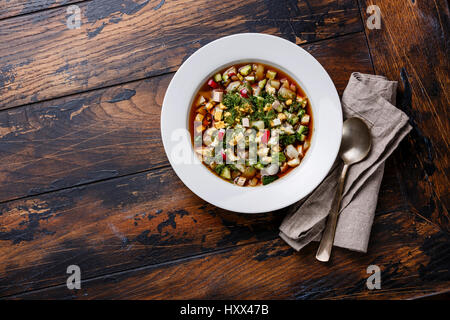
x,y
286,56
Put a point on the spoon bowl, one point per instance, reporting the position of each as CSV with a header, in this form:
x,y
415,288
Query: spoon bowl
x,y
356,141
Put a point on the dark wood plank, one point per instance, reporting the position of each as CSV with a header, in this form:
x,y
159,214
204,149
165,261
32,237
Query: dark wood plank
x,y
123,41
115,131
414,260
114,225
11,8
143,219
83,138
414,35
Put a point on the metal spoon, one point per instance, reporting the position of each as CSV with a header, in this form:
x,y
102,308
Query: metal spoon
x,y
355,146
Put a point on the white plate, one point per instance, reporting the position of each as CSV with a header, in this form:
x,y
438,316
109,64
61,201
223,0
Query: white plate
x,y
286,56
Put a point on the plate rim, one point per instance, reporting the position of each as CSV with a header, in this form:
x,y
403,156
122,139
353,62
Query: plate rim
x,y
181,171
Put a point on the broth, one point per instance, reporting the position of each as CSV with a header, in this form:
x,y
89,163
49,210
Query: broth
x,y
206,91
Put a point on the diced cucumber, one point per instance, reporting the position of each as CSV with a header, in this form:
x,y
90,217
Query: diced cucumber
x,y
300,137
245,70
217,77
226,174
268,179
259,166
293,119
250,78
262,83
302,129
225,77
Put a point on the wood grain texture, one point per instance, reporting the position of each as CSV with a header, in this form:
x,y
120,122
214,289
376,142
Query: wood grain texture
x,y
97,188
414,258
414,37
111,226
121,41
115,131
11,8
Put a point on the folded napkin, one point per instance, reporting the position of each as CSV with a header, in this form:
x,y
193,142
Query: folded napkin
x,y
371,98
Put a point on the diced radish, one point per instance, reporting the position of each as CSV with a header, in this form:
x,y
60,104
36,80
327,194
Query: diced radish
x,y
230,71
244,92
212,83
265,137
293,87
256,90
233,85
224,156
277,106
220,134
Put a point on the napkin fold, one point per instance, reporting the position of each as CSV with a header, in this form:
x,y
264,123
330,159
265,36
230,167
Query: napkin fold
x,y
371,98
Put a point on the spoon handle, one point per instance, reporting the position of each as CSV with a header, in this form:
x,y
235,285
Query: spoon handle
x,y
326,244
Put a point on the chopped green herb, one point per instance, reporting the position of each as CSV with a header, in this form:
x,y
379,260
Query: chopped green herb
x,y
287,139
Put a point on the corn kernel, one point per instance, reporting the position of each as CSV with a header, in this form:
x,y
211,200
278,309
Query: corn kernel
x,y
219,124
218,114
282,116
199,129
199,117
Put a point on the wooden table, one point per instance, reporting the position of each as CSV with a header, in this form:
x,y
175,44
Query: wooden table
x,y
84,179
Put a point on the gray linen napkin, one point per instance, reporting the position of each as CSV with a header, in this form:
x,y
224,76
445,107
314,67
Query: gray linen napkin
x,y
371,98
